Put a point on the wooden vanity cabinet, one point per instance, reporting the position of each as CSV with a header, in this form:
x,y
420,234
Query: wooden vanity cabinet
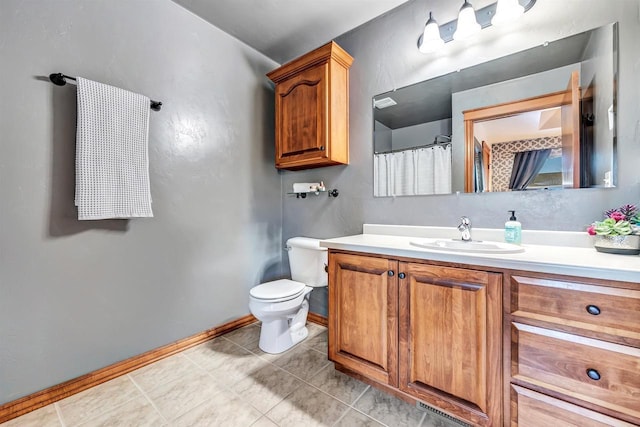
x,y
435,332
312,109
575,348
425,332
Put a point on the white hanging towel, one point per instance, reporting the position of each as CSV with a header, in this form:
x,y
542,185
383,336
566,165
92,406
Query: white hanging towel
x,y
112,153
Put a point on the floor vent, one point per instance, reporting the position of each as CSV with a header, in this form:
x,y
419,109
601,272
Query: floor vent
x,y
441,414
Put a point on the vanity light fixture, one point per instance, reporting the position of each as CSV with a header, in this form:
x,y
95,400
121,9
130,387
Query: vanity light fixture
x,y
431,40
469,22
507,11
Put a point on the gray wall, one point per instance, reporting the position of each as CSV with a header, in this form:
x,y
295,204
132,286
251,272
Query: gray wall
x,y
386,57
77,296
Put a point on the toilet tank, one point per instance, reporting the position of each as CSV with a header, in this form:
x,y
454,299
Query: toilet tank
x,y
307,261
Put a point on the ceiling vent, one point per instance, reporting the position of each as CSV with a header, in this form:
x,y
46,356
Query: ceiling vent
x,y
384,103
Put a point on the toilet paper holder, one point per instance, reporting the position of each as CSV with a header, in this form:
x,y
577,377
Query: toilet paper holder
x,y
301,189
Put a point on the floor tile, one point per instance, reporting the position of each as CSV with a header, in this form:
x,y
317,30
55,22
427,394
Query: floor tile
x,y
354,418
225,409
177,397
238,368
162,372
245,335
318,342
307,407
137,412
267,387
98,400
388,409
215,353
43,417
264,422
338,385
302,362
315,329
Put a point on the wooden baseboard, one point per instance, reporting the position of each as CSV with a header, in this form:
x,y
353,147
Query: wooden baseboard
x,y
58,392
317,318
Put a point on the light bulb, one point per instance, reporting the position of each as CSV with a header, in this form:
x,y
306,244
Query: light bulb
x,y
431,40
507,11
467,22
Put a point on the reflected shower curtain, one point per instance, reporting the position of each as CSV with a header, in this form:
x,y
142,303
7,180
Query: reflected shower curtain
x,y
413,172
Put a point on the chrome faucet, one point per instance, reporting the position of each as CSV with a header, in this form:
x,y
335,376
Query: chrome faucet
x,y
465,228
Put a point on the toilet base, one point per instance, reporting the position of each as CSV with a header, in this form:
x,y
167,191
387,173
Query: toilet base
x,y
281,334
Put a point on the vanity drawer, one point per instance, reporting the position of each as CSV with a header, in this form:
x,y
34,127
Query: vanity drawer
x,y
599,373
599,309
536,409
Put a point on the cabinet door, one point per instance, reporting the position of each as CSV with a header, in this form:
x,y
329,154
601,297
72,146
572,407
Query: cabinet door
x,y
450,335
301,116
363,310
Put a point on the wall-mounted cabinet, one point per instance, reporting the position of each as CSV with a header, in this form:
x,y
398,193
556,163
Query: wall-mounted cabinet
x,y
312,109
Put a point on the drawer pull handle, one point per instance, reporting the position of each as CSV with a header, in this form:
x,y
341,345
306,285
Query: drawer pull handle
x,y
402,275
593,374
592,309
390,273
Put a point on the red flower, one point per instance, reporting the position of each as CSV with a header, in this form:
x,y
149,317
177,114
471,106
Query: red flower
x,y
591,230
617,216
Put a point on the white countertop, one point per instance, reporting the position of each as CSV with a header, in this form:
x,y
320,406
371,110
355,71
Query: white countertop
x,y
572,255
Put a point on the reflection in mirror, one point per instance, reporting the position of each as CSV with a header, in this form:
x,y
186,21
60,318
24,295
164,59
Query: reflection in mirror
x,y
560,97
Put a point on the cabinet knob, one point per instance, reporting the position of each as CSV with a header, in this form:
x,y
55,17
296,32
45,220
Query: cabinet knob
x,y
322,148
326,268
402,275
592,309
593,374
390,273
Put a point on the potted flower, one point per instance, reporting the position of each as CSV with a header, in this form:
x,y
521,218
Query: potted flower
x,y
619,232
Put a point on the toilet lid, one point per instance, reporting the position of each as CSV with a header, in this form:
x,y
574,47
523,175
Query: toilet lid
x,y
277,289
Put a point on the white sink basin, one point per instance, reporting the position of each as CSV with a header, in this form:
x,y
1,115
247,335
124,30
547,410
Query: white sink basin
x,y
473,246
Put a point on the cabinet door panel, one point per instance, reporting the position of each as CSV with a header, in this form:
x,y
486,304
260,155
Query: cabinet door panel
x,y
450,335
363,308
301,111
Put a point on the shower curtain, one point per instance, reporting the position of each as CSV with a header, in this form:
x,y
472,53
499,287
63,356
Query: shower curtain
x,y
413,172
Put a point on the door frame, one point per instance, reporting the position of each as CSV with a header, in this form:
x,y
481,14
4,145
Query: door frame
x,y
550,100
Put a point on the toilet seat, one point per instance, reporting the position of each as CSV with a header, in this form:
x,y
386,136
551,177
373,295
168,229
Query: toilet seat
x,y
277,291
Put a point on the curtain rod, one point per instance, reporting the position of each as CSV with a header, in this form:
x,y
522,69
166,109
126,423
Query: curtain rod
x,y
417,147
59,79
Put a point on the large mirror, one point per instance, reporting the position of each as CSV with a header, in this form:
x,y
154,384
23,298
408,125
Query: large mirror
x,y
540,119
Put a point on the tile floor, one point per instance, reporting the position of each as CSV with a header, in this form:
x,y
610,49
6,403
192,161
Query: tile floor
x,y
229,381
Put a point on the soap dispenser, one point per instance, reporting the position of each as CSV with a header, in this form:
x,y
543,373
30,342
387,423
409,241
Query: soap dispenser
x,y
513,230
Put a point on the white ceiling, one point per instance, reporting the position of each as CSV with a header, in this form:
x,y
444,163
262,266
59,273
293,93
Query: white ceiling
x,y
286,29
533,124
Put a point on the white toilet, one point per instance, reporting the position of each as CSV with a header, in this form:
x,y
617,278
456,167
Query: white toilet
x,y
283,305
